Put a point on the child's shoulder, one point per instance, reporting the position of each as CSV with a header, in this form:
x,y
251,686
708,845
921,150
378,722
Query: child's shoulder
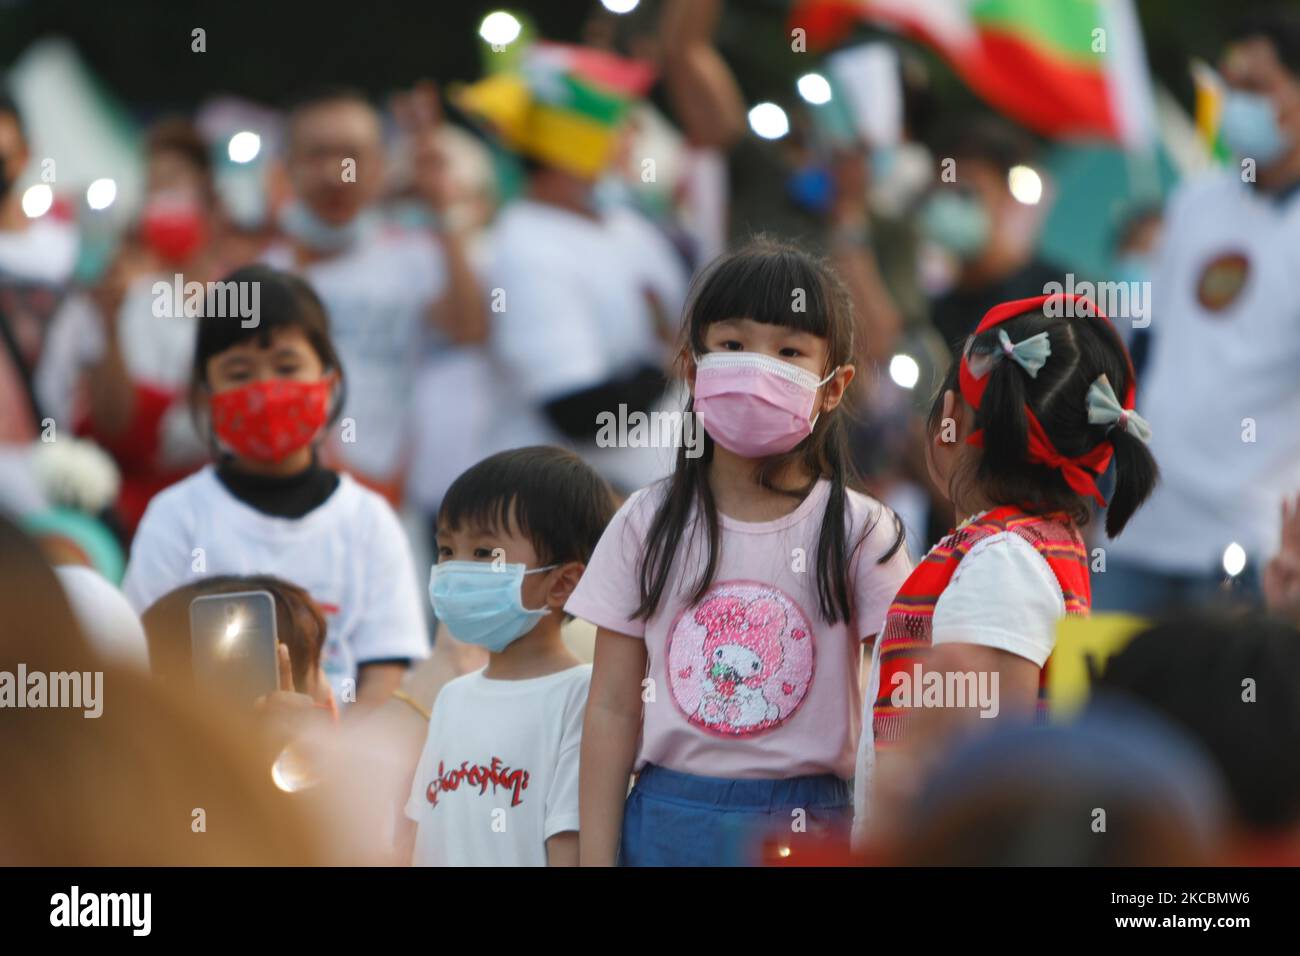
x,y
477,684
369,509
640,507
181,496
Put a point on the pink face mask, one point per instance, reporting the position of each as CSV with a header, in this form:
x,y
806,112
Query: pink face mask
x,y
754,405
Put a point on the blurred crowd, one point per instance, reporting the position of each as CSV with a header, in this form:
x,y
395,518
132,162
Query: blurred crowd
x,y
506,263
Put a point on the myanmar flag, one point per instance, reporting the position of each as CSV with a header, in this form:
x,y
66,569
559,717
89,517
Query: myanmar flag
x,y
1064,68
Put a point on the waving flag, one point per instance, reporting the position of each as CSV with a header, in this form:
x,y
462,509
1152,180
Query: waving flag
x,y
1064,68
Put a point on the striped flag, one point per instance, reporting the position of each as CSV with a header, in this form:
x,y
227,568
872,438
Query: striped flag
x,y
1210,91
1064,68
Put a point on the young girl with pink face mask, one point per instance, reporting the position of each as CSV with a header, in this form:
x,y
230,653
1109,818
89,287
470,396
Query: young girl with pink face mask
x,y
734,598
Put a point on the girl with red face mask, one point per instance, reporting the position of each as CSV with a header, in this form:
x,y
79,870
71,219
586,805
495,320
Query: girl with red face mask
x,y
266,385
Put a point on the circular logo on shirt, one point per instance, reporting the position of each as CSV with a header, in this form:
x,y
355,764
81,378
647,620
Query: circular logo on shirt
x,y
1222,280
740,661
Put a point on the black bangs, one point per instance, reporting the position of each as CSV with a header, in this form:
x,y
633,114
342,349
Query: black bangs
x,y
768,282
548,495
284,301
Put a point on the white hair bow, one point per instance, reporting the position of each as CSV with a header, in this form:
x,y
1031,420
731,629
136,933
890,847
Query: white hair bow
x,y
1030,354
1104,409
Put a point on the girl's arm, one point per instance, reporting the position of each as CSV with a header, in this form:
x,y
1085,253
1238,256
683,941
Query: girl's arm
x,y
609,738
1011,683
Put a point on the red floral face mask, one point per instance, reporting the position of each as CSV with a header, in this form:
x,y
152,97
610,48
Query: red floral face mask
x,y
270,420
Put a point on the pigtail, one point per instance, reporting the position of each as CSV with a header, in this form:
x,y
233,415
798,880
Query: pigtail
x,y
1136,474
1001,418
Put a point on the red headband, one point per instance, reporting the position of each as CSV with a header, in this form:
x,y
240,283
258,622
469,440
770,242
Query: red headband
x,y
1080,472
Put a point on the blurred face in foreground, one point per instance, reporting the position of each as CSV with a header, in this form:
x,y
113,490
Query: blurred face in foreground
x,y
326,141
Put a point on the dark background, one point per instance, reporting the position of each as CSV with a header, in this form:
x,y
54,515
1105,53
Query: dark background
x,y
268,49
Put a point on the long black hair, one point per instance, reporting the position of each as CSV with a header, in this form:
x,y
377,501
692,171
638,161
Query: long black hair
x,y
1082,348
761,282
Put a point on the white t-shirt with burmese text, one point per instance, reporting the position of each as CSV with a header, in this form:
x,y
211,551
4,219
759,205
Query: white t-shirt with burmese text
x,y
498,776
752,681
349,554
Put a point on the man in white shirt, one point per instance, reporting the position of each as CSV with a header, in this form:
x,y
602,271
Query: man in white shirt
x,y
1222,381
388,288
584,299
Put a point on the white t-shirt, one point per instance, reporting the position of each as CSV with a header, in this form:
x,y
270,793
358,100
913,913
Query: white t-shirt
x,y
498,776
378,294
1002,594
45,252
1224,361
349,554
752,680
570,311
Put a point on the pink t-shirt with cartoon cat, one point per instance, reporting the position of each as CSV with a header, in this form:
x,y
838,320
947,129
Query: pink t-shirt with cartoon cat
x,y
751,682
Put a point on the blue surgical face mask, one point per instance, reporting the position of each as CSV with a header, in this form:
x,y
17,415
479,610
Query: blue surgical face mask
x,y
957,223
315,233
482,603
1250,128
1132,267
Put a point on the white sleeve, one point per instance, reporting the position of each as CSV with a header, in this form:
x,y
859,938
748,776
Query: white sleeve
x,y
562,800
1004,595
545,335
391,623
161,555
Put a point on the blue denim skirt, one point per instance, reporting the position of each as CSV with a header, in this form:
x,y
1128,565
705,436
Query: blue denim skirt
x,y
680,819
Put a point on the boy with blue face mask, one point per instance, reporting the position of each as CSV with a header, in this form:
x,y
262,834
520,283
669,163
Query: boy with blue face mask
x,y
497,781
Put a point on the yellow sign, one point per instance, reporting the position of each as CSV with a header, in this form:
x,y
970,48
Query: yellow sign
x,y
1083,645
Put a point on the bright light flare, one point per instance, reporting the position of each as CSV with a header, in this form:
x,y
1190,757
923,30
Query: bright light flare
x,y
500,28
904,371
814,88
769,121
1025,184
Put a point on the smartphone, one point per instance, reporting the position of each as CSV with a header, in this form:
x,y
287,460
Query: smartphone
x,y
233,644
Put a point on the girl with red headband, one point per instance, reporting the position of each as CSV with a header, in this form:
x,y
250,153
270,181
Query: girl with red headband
x,y
1036,410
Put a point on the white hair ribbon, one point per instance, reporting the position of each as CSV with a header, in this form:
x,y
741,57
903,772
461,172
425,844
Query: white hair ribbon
x,y
1104,409
1030,354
